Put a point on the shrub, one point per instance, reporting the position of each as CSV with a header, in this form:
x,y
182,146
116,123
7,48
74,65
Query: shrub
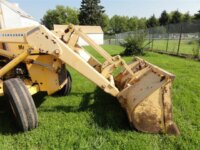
x,y
191,42
196,50
134,45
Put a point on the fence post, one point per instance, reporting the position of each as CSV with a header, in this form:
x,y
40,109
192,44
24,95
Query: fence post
x,y
152,40
179,43
199,46
149,39
167,38
152,44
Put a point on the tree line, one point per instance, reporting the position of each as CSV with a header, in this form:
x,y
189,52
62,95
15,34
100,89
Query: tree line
x,y
91,12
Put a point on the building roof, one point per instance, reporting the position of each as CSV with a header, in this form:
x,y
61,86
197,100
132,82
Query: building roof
x,y
85,29
15,7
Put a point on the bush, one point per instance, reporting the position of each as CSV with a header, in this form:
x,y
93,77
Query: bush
x,y
134,45
191,42
196,50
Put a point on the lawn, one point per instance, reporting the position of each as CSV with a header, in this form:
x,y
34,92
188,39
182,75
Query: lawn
x,y
90,119
186,46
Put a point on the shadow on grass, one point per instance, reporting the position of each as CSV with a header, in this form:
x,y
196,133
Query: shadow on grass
x,y
39,98
8,124
107,112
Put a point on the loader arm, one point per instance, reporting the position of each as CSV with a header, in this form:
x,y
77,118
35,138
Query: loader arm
x,y
45,42
142,89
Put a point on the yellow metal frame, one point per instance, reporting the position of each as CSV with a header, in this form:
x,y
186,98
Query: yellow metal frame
x,y
13,63
33,89
143,89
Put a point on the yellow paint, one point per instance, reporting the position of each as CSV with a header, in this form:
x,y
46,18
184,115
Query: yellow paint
x,y
13,63
1,89
33,89
45,76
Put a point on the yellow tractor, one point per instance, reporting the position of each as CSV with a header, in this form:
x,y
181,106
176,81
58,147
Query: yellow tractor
x,y
33,59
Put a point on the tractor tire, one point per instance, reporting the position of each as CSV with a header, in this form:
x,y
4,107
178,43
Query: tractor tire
x,y
67,87
21,103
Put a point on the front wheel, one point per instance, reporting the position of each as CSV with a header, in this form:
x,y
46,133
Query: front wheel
x,y
22,104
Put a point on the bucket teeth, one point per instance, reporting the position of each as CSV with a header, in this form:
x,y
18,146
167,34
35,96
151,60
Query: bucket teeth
x,y
146,97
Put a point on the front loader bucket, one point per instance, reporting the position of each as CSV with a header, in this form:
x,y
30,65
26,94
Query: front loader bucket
x,y
146,97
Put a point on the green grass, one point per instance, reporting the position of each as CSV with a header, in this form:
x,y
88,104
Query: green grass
x,y
186,46
91,119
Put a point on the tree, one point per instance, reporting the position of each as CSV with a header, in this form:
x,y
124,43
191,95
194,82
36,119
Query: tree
x,y
132,23
142,23
91,12
152,22
164,18
197,15
105,23
187,18
60,15
119,24
176,17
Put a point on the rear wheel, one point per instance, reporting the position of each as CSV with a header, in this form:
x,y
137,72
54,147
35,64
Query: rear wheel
x,y
68,86
22,104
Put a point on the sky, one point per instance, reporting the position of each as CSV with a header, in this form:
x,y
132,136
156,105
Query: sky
x,y
139,8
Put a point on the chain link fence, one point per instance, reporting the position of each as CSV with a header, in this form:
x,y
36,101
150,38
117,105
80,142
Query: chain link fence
x,y
177,39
